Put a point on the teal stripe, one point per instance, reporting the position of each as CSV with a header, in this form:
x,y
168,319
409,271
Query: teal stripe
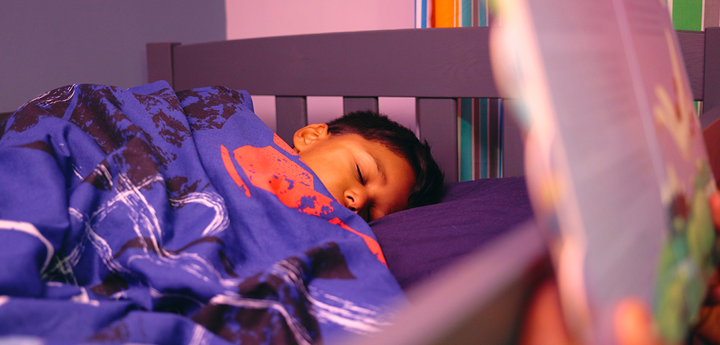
x,y
466,142
482,13
483,149
466,13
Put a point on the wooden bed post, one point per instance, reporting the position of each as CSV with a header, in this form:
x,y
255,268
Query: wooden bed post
x,y
494,144
437,122
290,115
692,47
513,143
160,62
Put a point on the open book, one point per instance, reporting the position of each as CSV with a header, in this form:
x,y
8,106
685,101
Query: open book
x,y
616,166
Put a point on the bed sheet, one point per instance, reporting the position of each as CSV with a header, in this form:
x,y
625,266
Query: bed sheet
x,y
150,216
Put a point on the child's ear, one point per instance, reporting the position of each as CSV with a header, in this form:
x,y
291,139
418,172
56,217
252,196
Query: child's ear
x,y
309,134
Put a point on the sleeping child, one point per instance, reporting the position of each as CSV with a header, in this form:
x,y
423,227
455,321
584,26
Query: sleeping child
x,y
146,215
370,164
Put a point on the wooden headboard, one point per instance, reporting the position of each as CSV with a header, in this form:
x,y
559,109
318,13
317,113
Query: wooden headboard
x,y
437,66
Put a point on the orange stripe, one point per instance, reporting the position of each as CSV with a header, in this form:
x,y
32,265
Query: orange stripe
x,y
444,13
369,241
231,170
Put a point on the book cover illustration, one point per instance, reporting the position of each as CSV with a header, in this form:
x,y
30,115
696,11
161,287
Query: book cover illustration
x,y
615,162
686,262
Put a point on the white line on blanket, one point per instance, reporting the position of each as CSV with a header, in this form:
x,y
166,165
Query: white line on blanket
x,y
214,201
352,317
32,230
84,298
146,224
200,336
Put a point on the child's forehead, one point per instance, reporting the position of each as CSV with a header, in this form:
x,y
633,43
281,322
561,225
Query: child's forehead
x,y
384,143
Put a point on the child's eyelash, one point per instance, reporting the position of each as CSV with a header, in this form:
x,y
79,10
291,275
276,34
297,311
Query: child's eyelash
x,y
362,180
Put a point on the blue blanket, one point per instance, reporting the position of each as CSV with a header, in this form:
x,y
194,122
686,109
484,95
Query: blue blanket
x,y
150,216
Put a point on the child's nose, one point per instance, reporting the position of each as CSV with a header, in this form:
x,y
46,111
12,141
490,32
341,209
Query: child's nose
x,y
355,201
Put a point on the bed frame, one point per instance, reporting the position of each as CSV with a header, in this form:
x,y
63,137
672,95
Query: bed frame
x,y
436,66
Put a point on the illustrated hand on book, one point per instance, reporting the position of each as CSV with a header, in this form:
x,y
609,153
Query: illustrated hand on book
x,y
544,324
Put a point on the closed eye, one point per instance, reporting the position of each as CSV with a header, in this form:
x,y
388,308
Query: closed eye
x,y
362,180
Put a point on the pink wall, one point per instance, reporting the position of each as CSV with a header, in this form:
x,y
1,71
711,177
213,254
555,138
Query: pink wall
x,y
252,18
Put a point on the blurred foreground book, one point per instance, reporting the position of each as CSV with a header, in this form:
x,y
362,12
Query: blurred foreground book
x,y
615,161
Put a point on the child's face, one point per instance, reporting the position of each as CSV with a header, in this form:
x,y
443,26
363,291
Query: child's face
x,y
364,176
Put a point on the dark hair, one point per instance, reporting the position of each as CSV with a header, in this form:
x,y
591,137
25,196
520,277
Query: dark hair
x,y
402,141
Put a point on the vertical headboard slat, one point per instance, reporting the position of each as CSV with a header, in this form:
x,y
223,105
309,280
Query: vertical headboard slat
x,y
493,137
291,115
513,161
692,47
437,123
711,83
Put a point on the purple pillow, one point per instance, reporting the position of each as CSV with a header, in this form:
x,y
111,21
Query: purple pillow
x,y
422,241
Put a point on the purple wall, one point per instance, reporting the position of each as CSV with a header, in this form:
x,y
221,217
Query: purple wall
x,y
47,44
